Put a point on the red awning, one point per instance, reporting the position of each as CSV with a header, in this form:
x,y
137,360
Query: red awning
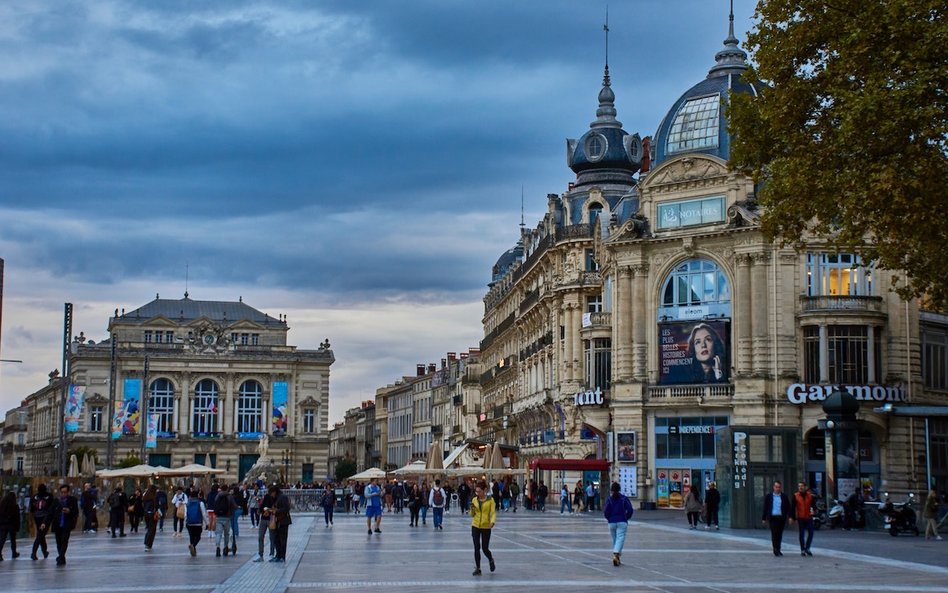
x,y
579,465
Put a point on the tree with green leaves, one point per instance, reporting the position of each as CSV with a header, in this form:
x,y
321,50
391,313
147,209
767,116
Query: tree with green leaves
x,y
849,143
345,468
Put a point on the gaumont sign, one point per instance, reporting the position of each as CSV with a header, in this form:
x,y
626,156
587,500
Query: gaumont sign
x,y
800,393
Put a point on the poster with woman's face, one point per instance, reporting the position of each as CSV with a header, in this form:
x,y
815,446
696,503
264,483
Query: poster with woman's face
x,y
694,352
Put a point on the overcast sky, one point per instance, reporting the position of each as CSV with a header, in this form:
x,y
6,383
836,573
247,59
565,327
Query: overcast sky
x,y
356,166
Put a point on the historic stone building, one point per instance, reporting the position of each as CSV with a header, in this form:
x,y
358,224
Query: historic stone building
x,y
217,376
646,322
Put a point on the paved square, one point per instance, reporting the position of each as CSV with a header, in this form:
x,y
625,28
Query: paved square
x,y
548,552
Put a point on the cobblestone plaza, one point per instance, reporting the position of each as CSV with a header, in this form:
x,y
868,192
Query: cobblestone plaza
x,y
534,552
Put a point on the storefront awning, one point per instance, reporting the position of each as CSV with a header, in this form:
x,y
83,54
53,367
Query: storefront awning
x,y
578,465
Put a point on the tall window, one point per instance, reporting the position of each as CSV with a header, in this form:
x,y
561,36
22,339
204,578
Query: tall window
x,y
935,357
696,282
837,274
205,407
595,212
254,339
169,336
309,420
853,355
598,363
147,336
591,264
249,405
95,419
594,303
161,402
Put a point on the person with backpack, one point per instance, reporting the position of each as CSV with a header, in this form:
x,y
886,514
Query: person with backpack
x,y
40,506
618,511
151,514
117,507
437,499
209,501
180,503
240,509
195,518
224,506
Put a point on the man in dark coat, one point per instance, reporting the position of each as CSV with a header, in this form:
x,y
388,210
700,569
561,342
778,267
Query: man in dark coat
x,y
64,517
712,502
88,502
281,507
41,506
118,503
776,512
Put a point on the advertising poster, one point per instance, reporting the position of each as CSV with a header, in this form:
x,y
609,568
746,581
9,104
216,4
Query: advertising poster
x,y
662,488
127,411
151,436
676,495
627,478
625,447
280,399
694,352
73,407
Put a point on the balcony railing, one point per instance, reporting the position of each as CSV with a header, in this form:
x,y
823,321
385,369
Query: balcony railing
x,y
700,392
437,429
855,303
602,318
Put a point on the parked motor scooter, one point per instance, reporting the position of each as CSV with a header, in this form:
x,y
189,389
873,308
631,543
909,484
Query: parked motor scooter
x,y
819,514
835,515
900,518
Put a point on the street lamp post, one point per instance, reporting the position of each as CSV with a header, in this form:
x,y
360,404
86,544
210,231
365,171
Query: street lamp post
x,y
286,466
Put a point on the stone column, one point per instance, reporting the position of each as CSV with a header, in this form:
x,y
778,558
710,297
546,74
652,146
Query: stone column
x,y
225,415
760,328
741,314
567,319
824,354
622,322
639,322
871,353
578,365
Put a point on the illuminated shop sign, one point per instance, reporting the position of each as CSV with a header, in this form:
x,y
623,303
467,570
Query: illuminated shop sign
x,y
800,393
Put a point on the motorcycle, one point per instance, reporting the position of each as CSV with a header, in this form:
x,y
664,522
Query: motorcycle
x,y
900,518
819,514
835,515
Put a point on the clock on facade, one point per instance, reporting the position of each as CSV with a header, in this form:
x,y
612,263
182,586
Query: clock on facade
x,y
209,339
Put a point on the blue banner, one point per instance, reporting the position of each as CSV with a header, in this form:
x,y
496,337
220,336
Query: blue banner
x,y
73,407
128,411
151,436
280,399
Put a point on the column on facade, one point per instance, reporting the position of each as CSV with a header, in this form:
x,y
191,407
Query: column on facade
x,y
760,327
225,417
567,342
622,322
742,317
824,354
639,317
577,325
871,354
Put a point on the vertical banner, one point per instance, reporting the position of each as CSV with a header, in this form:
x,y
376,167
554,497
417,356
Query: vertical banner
x,y
694,352
280,399
151,436
117,418
130,414
73,407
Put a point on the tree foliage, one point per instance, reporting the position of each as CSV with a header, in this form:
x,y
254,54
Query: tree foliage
x,y
849,142
129,461
345,468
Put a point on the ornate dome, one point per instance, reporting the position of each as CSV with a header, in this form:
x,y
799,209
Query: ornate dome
x,y
606,152
696,122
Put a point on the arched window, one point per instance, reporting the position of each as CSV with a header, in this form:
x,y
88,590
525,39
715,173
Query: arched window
x,y
595,211
696,282
161,402
249,404
206,398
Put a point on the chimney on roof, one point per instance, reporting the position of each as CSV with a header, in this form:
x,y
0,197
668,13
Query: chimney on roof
x,y
420,370
463,355
444,363
452,355
432,367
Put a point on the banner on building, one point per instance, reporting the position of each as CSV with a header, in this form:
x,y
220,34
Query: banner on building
x,y
280,407
694,352
73,409
128,411
151,434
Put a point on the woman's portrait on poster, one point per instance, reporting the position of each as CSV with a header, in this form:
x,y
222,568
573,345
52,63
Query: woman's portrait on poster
x,y
709,359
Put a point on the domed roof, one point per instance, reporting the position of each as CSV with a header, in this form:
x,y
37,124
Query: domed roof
x,y
506,261
606,147
696,122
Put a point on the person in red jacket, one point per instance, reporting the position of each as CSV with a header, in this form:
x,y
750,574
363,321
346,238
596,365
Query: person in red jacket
x,y
802,511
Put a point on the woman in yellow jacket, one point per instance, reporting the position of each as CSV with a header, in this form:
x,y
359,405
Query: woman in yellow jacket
x,y
483,516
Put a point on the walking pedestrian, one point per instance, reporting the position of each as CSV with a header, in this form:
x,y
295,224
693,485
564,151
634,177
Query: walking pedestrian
x,y
162,498
195,518
483,517
693,508
802,511
224,506
63,521
565,503
281,508
590,497
88,501
930,512
135,512
150,514
180,504
618,511
373,505
263,527
328,502
514,495
253,506
776,513
423,499
542,493
9,522
41,505
414,505
240,509
712,502
436,500
578,496
118,503
464,495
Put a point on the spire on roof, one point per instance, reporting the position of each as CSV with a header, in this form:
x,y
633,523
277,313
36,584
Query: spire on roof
x,y
606,114
732,59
